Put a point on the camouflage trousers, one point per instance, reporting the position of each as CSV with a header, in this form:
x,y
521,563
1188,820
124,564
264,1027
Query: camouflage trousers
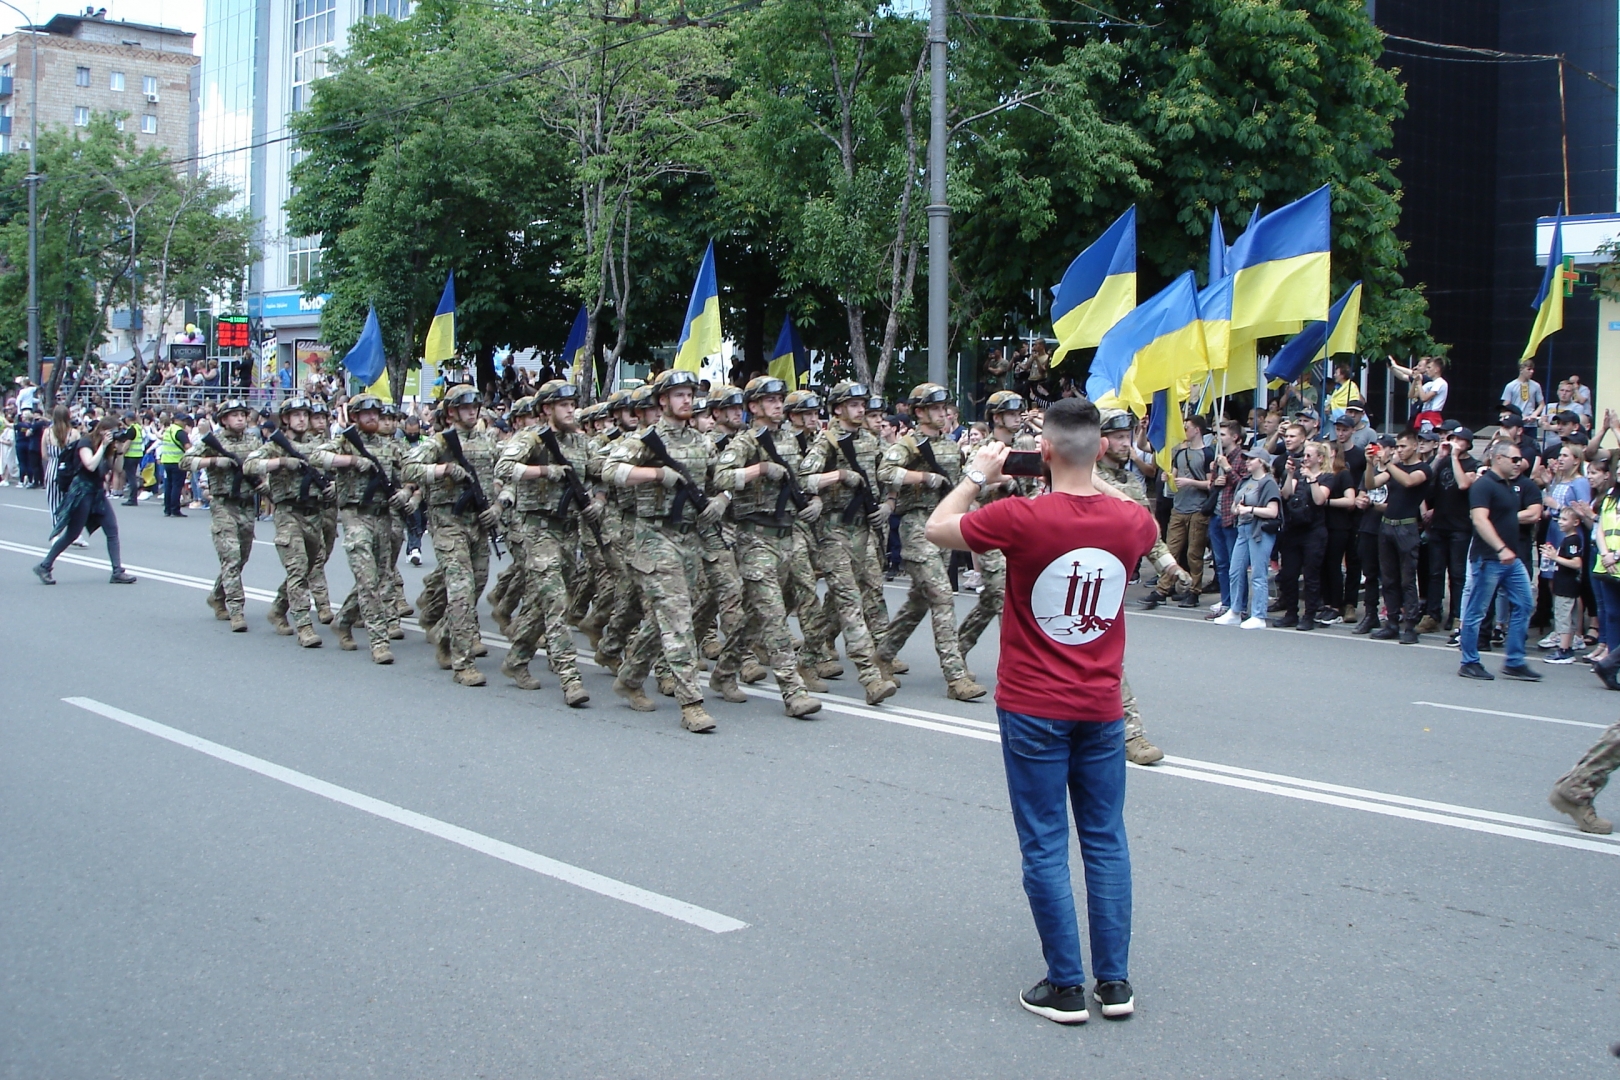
x,y
869,567
301,543
590,572
993,572
930,594
1591,774
396,543
627,611
508,591
723,602
547,571
461,546
606,570
838,548
819,630
668,565
231,526
368,541
1133,714
430,601
765,562
329,538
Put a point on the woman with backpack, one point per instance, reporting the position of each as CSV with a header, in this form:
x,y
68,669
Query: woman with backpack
x,y
84,503
1259,506
55,440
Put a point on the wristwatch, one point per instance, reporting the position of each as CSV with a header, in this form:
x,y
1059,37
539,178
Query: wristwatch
x,y
974,475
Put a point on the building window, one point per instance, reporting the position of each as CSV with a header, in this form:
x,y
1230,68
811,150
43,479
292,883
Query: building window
x,y
81,116
149,124
81,76
303,259
314,28
118,81
5,71
118,121
5,144
393,9
149,85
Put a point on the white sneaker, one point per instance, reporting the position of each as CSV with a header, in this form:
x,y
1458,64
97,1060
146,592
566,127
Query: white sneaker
x,y
1218,608
1231,618
1551,641
1251,623
415,557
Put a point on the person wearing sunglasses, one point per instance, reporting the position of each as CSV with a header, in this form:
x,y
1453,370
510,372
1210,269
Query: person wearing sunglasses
x,y
1494,507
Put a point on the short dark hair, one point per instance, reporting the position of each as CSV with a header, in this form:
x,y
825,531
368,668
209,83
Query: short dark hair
x,y
1074,428
1198,421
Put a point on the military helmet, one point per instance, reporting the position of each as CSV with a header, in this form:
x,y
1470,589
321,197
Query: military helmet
x,y
763,386
233,405
1004,401
876,404
928,394
644,397
803,401
619,399
845,391
556,390
1116,420
523,406
724,396
700,404
318,408
672,378
363,402
461,394
390,410
293,404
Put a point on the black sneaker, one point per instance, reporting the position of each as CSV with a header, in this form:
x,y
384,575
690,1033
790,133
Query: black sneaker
x,y
1285,622
1522,672
124,577
1475,671
1116,999
1062,1004
1150,601
1409,637
43,572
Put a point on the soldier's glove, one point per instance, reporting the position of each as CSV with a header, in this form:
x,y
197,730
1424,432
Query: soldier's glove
x,y
715,510
490,518
879,518
453,471
400,500
772,471
671,478
849,478
934,480
363,464
811,511
592,511
507,499
555,472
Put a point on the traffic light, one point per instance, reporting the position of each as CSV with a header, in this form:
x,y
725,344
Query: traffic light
x,y
231,332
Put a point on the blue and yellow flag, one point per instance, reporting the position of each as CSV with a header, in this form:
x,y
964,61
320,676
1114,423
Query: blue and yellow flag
x,y
790,360
1280,266
1217,249
700,335
365,361
1153,348
574,357
1097,289
1165,432
441,335
1319,340
1549,304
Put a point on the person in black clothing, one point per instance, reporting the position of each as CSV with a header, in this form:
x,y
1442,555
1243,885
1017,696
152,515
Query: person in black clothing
x,y
1342,519
1510,427
1408,480
1569,559
86,504
1302,543
1450,529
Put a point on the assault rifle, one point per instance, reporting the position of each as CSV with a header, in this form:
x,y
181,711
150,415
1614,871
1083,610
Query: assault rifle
x,y
211,441
790,483
379,475
865,501
576,491
689,490
475,491
311,473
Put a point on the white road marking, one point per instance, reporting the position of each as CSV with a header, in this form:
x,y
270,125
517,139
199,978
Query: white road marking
x,y
712,921
34,509
1199,621
1512,715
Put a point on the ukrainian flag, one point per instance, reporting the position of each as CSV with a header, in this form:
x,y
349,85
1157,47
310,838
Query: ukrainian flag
x,y
574,356
441,335
1152,348
1232,363
1097,290
700,336
1319,340
1165,432
1217,249
1549,303
1280,268
790,360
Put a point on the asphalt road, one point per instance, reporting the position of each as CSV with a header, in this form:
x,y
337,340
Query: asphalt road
x,y
229,857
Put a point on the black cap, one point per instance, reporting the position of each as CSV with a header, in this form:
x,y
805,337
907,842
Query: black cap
x,y
1429,434
1510,415
1565,416
1387,441
1577,438
1460,432
1450,425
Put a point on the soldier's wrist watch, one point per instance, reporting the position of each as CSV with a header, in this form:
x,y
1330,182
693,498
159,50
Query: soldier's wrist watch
x,y
975,475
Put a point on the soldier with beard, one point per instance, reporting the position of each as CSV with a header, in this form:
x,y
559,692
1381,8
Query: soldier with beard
x,y
233,502
295,490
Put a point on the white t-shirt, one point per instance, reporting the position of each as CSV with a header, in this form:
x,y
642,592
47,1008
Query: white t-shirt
x,y
1438,402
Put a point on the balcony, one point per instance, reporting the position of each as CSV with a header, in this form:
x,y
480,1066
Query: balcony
x,y
5,85
5,125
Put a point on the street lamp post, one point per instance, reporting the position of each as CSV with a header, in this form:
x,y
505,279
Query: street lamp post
x,y
32,180
939,211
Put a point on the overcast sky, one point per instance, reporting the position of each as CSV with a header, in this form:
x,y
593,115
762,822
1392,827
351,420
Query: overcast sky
x,y
182,14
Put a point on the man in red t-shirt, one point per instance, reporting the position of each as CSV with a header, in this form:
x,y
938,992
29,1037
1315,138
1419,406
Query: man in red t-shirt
x,y
1057,693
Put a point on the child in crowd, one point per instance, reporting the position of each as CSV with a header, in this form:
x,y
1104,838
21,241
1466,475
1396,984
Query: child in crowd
x,y
1566,558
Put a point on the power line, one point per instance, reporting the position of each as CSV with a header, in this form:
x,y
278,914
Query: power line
x,y
1474,54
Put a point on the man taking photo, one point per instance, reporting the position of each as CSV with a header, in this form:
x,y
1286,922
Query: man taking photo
x,y
1069,555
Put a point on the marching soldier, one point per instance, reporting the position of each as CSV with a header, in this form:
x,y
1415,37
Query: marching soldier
x,y
295,490
724,601
397,533
233,503
877,549
667,466
1006,411
367,493
818,658
918,469
507,592
607,570
320,427
639,412
759,474
461,532
840,464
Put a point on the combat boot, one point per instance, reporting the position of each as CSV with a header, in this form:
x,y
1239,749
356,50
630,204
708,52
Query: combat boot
x,y
403,609
308,638
801,705
503,622
431,632
345,636
694,717
1138,751
898,666
726,686
396,632
479,648
1428,624
608,660
278,620
238,623
441,653
323,612
638,700
518,671
469,676
666,685
219,607
878,689
830,669
1585,817
591,627
575,694
812,681
964,689
711,647
888,671
381,653
752,671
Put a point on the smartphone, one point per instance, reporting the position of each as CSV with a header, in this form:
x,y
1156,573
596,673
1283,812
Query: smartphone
x,y
1023,463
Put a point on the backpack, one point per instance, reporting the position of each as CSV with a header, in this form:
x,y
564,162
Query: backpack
x,y
67,467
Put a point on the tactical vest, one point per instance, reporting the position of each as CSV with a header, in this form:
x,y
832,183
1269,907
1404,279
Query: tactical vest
x,y
909,453
764,499
222,482
1127,480
827,454
351,486
686,445
480,449
287,486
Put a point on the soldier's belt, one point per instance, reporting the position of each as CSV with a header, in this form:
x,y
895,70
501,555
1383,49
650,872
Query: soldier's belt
x,y
550,520
680,528
376,508
766,528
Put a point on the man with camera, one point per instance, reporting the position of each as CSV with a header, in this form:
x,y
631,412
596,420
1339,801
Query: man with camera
x,y
1407,478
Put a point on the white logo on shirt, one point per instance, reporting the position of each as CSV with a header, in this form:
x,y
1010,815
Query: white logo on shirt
x,y
1079,596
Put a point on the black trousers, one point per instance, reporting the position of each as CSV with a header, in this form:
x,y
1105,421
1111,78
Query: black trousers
x,y
174,482
75,525
1397,565
132,479
1367,556
1341,549
1448,560
1300,553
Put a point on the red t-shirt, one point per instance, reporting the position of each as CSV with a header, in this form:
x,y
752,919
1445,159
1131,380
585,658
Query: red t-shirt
x,y
1063,622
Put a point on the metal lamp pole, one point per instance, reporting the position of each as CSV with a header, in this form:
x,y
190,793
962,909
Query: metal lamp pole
x,y
939,211
32,179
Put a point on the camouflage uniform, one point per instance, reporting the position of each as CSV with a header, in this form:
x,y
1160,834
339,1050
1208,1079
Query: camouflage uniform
x,y
1575,790
606,564
723,601
300,533
233,504
368,535
992,564
627,612
1130,482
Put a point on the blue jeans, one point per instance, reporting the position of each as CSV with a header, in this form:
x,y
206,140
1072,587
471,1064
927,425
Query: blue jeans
x,y
1607,591
1221,542
1045,760
1251,562
1484,575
